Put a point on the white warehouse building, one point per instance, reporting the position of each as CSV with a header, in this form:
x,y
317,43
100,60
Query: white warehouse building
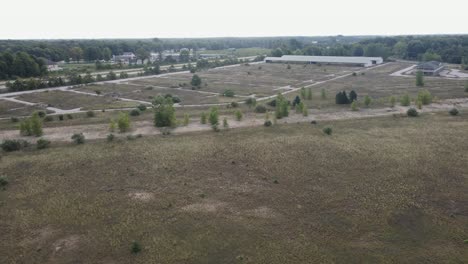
x,y
359,61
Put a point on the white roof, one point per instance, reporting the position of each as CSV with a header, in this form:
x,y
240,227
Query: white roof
x,y
326,59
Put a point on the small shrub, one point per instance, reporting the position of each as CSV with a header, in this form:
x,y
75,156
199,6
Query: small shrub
x,y
186,119
3,181
229,93
288,67
136,247
425,97
13,145
323,94
60,117
412,112
78,138
328,130
14,119
42,143
135,112
238,115
367,101
142,107
260,109
454,111
131,137
225,123
49,119
69,116
250,102
213,116
90,114
419,104
405,100
98,92
392,101
354,74
123,122
234,104
215,128
203,118
267,123
41,114
354,106
110,137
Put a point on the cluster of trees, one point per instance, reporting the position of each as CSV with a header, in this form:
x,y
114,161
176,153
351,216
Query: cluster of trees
x,y
342,97
21,64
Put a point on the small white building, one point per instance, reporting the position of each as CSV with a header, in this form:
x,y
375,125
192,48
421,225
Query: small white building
x,y
125,58
352,61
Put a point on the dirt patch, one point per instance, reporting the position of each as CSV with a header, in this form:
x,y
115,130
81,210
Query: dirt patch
x,y
262,212
208,206
141,196
38,237
66,244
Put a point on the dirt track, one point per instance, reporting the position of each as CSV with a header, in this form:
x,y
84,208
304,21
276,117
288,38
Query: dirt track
x,y
100,131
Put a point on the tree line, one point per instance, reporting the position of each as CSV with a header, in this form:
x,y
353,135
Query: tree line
x,y
21,64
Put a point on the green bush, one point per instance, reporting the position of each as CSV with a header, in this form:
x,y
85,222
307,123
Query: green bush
x,y
135,112
186,119
405,100
260,109
110,137
454,111
328,130
419,79
354,106
69,116
164,112
392,101
367,100
78,138
14,119
42,143
142,107
123,122
13,145
3,181
412,112
203,118
239,115
90,114
225,123
234,104
250,102
49,119
213,116
41,114
136,247
267,123
60,117
425,97
229,93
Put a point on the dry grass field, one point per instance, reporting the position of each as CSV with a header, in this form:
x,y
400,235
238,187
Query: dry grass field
x,y
137,92
70,100
9,109
259,79
379,190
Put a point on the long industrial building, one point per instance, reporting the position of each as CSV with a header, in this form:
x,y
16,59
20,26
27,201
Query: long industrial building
x,y
354,61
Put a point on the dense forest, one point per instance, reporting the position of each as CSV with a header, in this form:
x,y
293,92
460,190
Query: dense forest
x,y
25,58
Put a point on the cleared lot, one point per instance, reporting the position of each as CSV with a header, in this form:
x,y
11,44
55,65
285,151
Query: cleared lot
x,y
147,93
259,79
8,109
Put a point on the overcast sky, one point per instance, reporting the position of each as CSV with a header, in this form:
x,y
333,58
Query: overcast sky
x,y
45,19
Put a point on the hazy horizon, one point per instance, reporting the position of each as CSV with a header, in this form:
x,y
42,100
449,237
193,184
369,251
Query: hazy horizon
x,y
140,19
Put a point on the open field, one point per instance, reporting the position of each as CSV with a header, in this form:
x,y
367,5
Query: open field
x,y
379,190
147,93
68,100
8,109
377,84
259,79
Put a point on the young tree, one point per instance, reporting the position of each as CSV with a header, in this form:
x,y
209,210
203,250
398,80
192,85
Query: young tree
x,y
203,118
303,93
352,96
186,119
164,112
323,94
305,110
296,101
282,107
341,98
111,76
112,126
123,122
419,79
196,81
238,114
251,102
309,93
213,116
405,100
225,123
36,125
354,106
367,100
425,97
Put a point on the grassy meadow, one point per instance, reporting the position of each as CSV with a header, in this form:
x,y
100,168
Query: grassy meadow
x,y
379,190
